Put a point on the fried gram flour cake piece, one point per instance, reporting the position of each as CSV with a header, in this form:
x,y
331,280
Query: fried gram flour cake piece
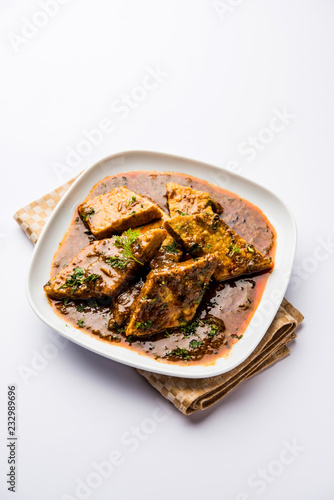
x,y
171,296
117,211
183,200
204,234
101,269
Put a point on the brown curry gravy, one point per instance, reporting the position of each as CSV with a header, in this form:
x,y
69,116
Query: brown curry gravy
x,y
226,308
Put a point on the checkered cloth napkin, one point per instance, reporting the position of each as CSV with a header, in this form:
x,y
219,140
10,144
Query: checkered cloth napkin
x,y
188,395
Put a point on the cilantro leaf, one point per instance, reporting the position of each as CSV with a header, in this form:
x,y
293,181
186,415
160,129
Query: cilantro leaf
x,y
124,242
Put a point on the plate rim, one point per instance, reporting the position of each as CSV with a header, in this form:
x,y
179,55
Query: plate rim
x,y
79,337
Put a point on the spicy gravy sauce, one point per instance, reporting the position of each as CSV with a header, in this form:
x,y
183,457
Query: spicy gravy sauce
x,y
226,308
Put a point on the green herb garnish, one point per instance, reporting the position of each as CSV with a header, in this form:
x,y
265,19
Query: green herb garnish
x,y
171,248
250,249
195,343
87,215
183,213
80,323
77,279
181,353
214,330
190,328
235,336
233,249
80,308
124,242
91,277
130,201
143,326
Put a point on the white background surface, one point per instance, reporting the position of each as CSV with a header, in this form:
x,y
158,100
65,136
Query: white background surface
x,y
226,75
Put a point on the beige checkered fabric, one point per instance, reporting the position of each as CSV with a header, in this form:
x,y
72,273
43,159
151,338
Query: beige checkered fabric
x,y
32,218
192,395
187,395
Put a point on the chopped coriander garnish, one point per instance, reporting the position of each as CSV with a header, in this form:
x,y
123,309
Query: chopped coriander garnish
x,y
195,343
117,262
77,279
80,323
183,213
214,330
235,336
144,326
190,328
233,249
180,352
80,308
171,248
87,215
133,199
124,242
66,301
91,277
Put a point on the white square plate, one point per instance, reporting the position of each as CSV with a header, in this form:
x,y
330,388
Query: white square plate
x,y
275,210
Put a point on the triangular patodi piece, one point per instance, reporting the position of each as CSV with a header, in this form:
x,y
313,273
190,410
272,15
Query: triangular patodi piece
x,y
114,212
101,270
184,200
171,296
203,234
